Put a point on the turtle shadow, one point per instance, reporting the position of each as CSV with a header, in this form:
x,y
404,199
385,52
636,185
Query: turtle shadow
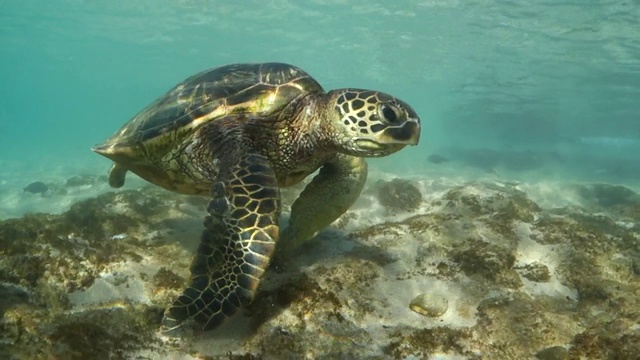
x,y
183,231
287,280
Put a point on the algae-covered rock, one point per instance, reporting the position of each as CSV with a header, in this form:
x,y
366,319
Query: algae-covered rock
x,y
535,271
520,281
423,342
477,257
80,180
608,195
399,195
553,353
48,262
36,187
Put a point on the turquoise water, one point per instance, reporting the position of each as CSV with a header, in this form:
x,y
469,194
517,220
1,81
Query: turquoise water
x,y
560,77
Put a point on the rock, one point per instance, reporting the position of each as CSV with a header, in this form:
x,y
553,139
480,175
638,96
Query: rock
x,y
635,265
553,353
430,305
608,195
399,194
488,260
535,271
80,181
36,187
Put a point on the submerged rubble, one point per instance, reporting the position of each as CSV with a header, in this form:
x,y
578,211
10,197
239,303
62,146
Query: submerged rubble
x,y
511,279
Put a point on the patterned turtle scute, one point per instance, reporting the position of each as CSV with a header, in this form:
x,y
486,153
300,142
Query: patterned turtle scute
x,y
257,88
228,266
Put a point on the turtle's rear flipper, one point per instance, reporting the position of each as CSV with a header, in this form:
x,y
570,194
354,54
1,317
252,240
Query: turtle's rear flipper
x,y
237,245
117,175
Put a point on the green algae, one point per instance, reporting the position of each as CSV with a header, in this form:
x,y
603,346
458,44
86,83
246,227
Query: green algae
x,y
423,342
165,278
399,195
535,271
52,256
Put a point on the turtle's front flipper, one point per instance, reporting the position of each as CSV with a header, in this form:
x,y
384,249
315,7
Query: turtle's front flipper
x,y
237,245
329,195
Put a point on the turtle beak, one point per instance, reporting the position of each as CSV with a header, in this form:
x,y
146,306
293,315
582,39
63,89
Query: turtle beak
x,y
406,134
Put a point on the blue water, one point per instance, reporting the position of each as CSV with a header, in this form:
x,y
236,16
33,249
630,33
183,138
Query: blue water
x,y
557,78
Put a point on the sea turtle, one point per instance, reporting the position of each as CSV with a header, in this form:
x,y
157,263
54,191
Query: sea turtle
x,y
238,133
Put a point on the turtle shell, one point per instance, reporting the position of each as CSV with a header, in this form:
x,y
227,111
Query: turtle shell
x,y
261,89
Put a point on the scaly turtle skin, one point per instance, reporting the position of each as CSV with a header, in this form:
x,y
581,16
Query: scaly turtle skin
x,y
238,133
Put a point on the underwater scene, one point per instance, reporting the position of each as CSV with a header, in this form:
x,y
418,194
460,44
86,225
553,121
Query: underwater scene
x,y
320,179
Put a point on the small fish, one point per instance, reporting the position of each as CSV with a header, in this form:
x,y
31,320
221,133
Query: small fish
x,y
36,187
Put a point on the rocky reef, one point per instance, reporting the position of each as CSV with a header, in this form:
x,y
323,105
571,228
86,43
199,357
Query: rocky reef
x,y
469,271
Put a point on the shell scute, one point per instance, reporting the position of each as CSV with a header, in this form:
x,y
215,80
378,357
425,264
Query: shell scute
x,y
261,89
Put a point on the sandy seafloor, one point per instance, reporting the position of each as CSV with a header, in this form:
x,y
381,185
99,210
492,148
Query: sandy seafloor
x,y
511,269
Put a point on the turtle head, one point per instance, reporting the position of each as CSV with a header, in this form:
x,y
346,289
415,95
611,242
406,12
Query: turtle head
x,y
373,124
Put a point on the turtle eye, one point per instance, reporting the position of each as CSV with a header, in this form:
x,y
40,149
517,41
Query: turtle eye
x,y
389,113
